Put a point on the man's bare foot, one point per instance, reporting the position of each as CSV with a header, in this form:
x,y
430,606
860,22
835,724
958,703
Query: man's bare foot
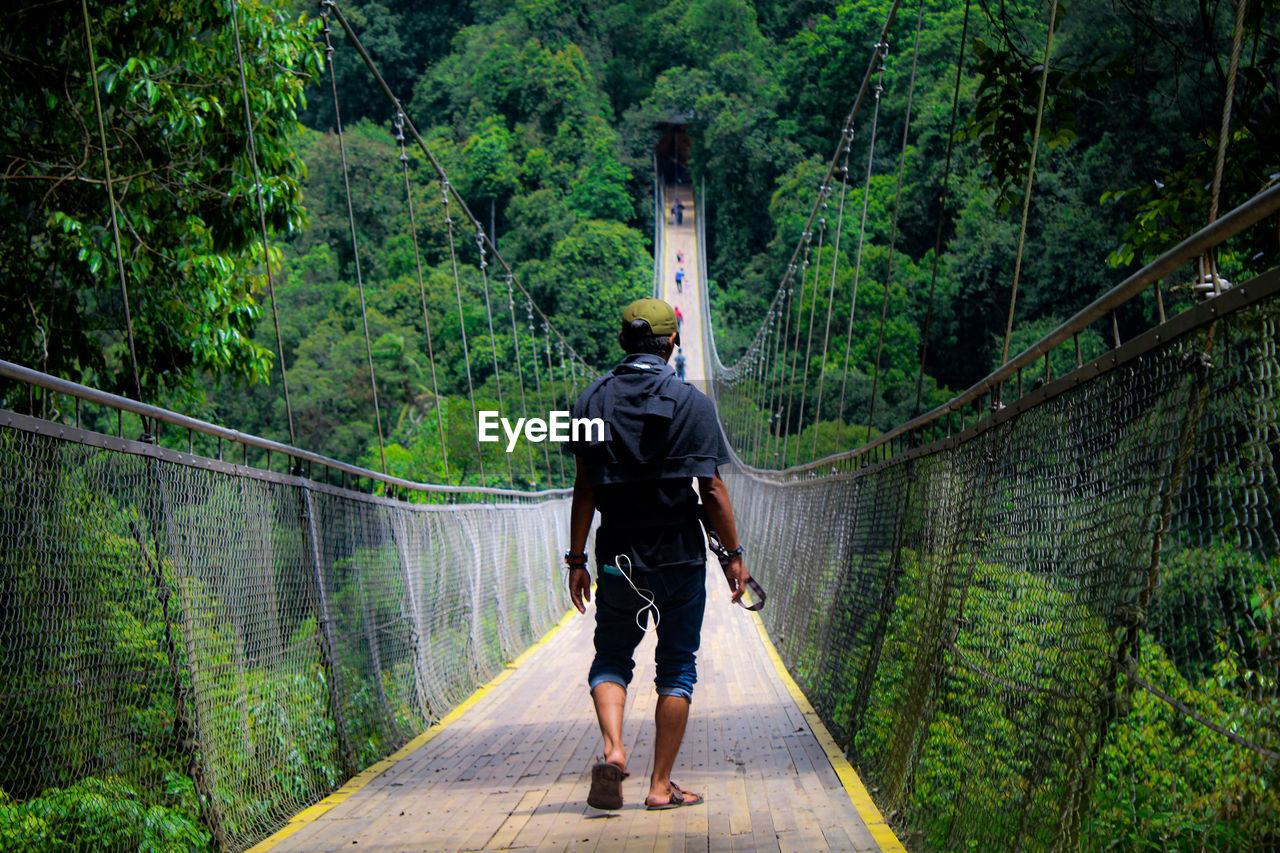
x,y
618,757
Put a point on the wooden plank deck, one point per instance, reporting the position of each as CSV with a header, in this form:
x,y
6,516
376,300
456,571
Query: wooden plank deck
x,y
512,772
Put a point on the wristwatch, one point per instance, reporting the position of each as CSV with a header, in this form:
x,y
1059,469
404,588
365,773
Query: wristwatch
x,y
575,561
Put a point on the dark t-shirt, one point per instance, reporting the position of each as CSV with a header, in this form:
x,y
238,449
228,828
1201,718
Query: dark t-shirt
x,y
660,434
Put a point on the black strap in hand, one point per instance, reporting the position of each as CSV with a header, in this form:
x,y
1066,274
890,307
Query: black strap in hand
x,y
723,555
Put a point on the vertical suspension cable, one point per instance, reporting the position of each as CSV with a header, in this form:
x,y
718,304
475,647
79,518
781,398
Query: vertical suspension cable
x,y
422,292
788,297
1026,193
111,201
846,136
551,382
762,384
893,228
750,392
1228,100
881,50
537,376
262,219
462,325
746,417
572,388
824,191
942,212
566,372
795,351
753,393
515,342
1209,281
351,221
493,341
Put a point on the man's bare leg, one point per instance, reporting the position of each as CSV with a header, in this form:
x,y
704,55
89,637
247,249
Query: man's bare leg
x,y
671,717
610,699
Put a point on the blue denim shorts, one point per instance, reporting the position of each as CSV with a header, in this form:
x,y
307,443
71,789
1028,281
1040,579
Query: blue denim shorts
x,y
680,596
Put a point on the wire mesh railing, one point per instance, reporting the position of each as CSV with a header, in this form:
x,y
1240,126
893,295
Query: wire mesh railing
x,y
193,650
1060,628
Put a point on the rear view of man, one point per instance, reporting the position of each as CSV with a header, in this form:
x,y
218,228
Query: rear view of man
x,y
661,435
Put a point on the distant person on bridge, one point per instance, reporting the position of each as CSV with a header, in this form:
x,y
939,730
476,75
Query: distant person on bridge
x,y
680,280
679,359
679,325
677,211
651,554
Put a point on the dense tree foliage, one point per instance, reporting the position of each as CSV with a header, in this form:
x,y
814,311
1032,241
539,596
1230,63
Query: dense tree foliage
x,y
545,117
177,145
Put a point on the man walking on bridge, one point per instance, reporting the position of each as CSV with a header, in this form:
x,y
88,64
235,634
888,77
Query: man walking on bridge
x,y
661,434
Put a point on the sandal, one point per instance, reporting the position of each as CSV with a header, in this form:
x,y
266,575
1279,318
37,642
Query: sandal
x,y
606,786
679,797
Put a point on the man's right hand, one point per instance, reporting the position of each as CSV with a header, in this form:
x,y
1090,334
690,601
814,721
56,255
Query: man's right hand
x,y
580,587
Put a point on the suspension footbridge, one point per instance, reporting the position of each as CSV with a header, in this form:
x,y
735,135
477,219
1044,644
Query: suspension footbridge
x,y
512,771
1034,617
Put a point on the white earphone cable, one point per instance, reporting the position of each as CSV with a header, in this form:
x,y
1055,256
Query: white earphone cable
x,y
646,595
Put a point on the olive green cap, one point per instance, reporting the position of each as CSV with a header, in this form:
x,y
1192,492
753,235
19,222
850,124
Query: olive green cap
x,y
658,314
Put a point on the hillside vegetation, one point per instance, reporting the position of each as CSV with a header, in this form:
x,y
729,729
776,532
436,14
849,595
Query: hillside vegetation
x,y
545,115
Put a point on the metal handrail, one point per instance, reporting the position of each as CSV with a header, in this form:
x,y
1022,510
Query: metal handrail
x,y
92,395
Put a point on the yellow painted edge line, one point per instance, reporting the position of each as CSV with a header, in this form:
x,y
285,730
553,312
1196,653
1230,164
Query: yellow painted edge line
x,y
867,809
364,777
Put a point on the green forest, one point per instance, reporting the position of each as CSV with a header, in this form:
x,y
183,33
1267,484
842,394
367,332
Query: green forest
x,y
545,116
